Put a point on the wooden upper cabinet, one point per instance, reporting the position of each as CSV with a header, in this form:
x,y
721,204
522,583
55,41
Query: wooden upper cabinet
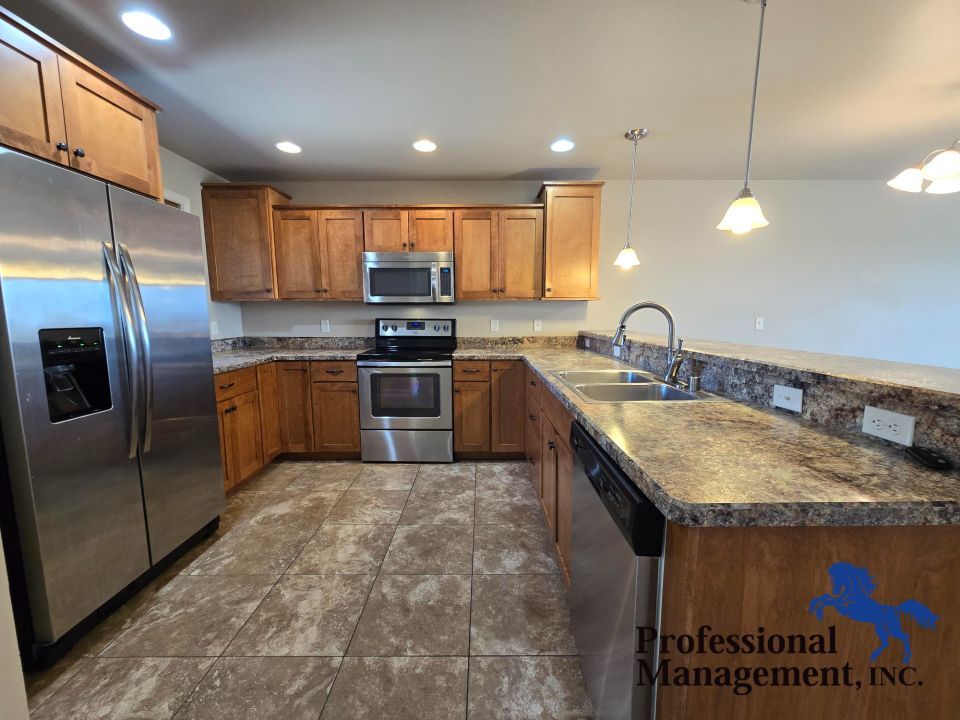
x,y
31,113
296,234
386,231
475,258
507,425
520,254
431,230
341,253
111,134
572,240
238,230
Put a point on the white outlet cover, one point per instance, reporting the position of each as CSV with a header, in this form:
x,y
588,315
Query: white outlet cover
x,y
324,326
758,323
788,398
538,325
494,326
893,426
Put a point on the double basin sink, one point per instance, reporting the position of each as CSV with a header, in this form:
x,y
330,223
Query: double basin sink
x,y
622,386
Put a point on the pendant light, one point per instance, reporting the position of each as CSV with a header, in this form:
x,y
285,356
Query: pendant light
x,y
938,173
627,257
744,214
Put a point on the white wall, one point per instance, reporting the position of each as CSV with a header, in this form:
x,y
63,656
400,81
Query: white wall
x,y
846,267
181,180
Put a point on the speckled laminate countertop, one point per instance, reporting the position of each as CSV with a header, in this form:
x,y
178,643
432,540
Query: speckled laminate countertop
x,y
726,463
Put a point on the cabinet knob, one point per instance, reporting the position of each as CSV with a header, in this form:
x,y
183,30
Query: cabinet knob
x,y
549,289
494,289
411,245
266,289
403,244
551,445
80,152
62,146
503,289
227,386
533,417
354,391
456,391
533,383
229,410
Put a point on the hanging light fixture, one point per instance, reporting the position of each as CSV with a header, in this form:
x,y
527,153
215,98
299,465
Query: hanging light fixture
x,y
627,257
744,213
938,173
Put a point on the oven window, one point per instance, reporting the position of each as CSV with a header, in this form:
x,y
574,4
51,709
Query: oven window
x,y
405,395
400,282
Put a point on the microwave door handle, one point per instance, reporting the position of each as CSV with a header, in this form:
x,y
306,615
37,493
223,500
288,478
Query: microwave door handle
x,y
434,288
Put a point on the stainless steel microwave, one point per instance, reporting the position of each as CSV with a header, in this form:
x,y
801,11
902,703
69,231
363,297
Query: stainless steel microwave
x,y
408,278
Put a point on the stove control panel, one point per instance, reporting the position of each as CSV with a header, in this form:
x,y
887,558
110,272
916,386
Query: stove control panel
x,y
416,328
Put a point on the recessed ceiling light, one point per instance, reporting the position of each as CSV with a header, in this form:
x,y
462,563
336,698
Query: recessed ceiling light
x,y
425,145
288,147
143,23
562,145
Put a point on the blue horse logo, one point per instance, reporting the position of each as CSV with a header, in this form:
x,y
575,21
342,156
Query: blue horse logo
x,y
852,587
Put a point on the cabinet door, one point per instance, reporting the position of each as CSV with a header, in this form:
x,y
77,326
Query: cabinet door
x,y
341,249
297,237
548,474
532,452
31,113
111,134
475,247
269,410
521,254
239,237
241,424
431,230
471,416
572,242
506,406
296,411
226,462
564,503
385,231
336,417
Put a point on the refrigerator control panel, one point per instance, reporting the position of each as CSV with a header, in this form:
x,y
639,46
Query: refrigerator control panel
x,y
75,372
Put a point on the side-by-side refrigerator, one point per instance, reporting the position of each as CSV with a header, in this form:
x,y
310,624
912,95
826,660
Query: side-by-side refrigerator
x,y
107,408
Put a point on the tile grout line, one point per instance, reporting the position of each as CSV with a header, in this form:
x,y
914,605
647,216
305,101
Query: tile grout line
x,y
473,574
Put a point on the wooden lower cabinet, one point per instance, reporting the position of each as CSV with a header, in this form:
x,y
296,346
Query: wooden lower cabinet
x,y
556,476
564,503
548,475
506,406
471,416
295,407
269,410
532,450
240,436
336,417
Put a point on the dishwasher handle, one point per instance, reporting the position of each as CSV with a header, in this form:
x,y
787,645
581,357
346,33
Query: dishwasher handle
x,y
638,519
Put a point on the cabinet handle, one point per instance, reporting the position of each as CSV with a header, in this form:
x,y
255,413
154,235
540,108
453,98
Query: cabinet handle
x,y
227,386
333,372
268,289
403,244
80,152
532,461
549,289
551,445
503,289
62,146
533,417
323,290
411,246
229,410
456,391
354,391
467,370
533,383
494,290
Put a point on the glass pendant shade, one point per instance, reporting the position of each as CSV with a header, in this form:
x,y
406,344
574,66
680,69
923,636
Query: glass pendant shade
x,y
627,258
945,164
910,180
944,186
743,215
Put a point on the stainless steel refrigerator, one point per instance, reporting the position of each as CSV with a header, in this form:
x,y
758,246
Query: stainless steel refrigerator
x,y
107,406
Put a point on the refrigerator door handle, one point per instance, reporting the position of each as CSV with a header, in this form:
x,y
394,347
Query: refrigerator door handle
x,y
136,298
132,347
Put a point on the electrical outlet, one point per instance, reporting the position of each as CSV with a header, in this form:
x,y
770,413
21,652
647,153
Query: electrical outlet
x,y
888,425
538,325
494,326
617,351
324,326
788,398
586,343
758,323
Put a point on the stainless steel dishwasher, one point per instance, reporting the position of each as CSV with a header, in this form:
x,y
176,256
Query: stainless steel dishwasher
x,y
615,569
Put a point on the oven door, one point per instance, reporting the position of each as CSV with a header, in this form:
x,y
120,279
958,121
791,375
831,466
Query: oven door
x,y
406,396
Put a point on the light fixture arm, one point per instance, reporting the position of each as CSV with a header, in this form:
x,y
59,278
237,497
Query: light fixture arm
x,y
634,136
753,103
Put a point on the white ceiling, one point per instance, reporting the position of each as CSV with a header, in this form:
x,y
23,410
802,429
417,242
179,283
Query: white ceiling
x,y
849,88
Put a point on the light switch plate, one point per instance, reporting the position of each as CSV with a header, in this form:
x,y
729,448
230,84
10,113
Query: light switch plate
x,y
324,326
889,425
538,325
788,398
494,326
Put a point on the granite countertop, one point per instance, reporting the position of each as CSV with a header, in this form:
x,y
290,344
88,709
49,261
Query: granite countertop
x,y
725,463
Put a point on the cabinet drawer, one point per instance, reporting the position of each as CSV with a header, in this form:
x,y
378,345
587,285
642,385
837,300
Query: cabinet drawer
x,y
236,382
467,370
333,371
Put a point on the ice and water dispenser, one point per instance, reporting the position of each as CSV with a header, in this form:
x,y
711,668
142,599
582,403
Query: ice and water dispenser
x,y
75,372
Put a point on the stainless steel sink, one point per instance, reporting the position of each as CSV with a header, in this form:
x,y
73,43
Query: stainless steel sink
x,y
634,392
578,377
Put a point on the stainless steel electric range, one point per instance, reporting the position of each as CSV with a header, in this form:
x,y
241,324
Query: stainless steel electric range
x,y
406,392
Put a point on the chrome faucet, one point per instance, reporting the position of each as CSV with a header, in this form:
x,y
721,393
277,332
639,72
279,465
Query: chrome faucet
x,y
674,355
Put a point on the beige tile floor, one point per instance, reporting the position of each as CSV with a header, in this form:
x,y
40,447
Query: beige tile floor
x,y
343,591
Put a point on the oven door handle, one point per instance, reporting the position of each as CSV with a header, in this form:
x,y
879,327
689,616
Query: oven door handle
x,y
390,364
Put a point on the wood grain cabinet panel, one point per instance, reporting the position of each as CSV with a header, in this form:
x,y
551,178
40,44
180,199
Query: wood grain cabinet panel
x,y
520,254
385,231
532,452
111,134
269,410
239,233
31,112
341,253
297,237
548,475
296,408
336,417
564,490
475,254
242,448
431,230
506,406
572,241
471,416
